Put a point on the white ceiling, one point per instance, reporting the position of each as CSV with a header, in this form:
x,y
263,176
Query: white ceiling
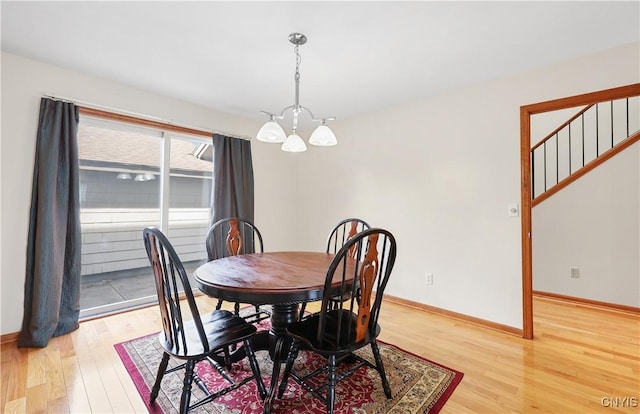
x,y
360,56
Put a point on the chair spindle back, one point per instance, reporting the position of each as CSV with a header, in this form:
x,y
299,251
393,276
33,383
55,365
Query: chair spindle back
x,y
343,231
232,236
360,271
170,277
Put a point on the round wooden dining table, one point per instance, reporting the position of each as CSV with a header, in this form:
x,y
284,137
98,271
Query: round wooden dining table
x,y
280,279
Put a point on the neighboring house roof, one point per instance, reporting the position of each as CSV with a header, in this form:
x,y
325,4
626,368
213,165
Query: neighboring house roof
x,y
125,149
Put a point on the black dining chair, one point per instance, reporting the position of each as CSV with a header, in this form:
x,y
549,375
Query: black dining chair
x,y
337,331
230,237
343,231
200,338
339,235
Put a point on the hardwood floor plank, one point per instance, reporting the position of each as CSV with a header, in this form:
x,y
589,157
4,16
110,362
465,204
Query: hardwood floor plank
x,y
37,399
54,377
94,388
59,406
17,406
91,381
36,372
137,405
77,398
5,368
17,381
118,397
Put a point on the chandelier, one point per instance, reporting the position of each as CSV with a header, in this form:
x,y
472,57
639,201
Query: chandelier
x,y
272,132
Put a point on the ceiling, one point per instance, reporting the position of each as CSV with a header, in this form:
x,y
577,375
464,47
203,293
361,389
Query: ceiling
x,y
360,56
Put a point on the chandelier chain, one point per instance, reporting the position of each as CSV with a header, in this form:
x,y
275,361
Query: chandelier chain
x,y
298,60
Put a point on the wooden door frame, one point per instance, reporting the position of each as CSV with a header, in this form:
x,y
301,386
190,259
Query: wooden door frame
x,y
526,186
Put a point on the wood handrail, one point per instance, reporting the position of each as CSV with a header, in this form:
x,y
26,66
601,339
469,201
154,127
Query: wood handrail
x,y
573,118
584,99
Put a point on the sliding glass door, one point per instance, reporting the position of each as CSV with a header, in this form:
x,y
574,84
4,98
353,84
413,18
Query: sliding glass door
x,y
133,177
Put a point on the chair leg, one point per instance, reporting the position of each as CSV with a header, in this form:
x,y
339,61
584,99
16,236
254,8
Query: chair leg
x,y
331,391
219,305
277,356
293,354
227,358
303,306
161,369
186,386
383,375
236,311
255,368
215,365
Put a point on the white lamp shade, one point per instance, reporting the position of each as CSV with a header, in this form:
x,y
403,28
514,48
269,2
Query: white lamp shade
x,y
271,131
323,137
294,144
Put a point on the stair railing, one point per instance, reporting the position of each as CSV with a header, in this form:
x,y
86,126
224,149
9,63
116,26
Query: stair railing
x,y
559,167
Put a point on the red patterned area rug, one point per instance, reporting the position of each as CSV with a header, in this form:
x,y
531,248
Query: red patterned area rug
x,y
418,385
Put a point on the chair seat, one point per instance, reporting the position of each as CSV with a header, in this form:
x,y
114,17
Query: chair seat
x,y
306,330
222,329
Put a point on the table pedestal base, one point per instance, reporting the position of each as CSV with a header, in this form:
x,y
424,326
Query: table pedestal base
x,y
278,343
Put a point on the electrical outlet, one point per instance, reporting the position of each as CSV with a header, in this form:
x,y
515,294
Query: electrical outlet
x,y
428,278
575,272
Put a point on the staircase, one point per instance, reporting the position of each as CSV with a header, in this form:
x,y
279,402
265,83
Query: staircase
x,y
596,133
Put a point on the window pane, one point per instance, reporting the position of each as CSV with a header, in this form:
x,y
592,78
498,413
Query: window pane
x,y
190,179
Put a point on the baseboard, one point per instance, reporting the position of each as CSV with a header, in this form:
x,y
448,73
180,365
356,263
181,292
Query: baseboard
x,y
454,315
8,338
588,302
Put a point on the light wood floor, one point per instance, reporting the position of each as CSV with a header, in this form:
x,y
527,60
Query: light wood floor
x,y
580,357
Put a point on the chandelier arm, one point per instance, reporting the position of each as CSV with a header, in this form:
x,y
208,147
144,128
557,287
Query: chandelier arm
x,y
290,107
313,118
303,108
273,116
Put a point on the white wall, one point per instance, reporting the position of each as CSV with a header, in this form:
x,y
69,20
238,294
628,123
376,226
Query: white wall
x,y
439,174
23,84
594,225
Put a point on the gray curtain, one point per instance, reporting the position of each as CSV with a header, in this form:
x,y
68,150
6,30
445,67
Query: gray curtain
x,y
232,194
52,285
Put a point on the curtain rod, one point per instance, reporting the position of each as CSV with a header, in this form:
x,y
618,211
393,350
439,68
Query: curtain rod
x,y
138,115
